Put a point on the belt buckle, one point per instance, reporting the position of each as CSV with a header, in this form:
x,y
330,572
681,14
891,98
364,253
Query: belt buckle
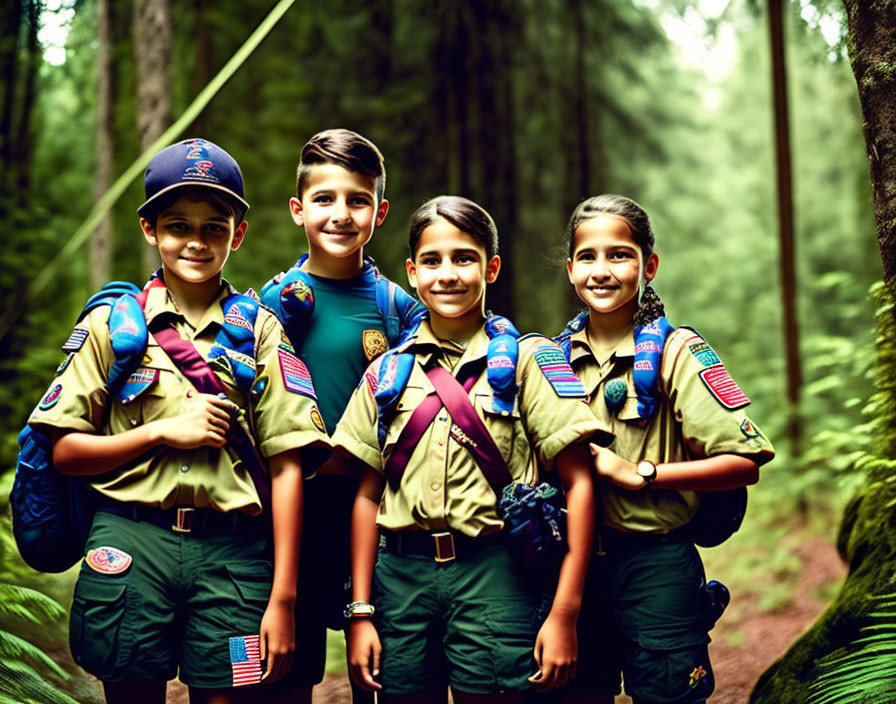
x,y
184,520
444,546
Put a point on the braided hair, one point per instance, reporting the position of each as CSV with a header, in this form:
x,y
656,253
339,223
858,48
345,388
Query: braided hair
x,y
650,307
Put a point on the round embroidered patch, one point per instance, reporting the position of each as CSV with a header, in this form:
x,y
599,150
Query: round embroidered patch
x,y
614,394
51,399
317,420
108,560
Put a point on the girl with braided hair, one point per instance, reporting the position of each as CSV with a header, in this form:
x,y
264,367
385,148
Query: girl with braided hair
x,y
681,433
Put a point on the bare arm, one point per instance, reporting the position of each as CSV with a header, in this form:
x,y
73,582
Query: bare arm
x,y
717,473
278,623
556,645
364,647
205,422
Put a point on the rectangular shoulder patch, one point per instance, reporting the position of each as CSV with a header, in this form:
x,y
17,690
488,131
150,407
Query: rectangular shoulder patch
x,y
704,354
558,372
723,388
76,340
296,377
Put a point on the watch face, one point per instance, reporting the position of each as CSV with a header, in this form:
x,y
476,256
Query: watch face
x,y
647,470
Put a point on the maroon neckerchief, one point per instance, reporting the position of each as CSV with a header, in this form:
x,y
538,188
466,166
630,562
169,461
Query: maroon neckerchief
x,y
450,394
196,369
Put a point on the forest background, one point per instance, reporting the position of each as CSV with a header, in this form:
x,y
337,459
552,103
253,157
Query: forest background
x,y
524,106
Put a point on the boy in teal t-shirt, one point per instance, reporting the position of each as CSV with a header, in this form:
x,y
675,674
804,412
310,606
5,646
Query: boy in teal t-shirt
x,y
339,314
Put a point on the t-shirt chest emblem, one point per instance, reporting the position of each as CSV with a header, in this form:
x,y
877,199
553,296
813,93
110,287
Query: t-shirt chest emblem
x,y
374,343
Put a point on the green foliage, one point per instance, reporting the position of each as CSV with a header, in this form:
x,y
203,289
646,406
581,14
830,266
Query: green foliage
x,y
865,672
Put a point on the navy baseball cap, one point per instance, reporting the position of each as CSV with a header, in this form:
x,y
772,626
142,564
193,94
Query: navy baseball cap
x,y
193,162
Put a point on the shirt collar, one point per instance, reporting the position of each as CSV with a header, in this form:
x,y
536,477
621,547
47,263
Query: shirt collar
x,y
580,347
159,300
426,345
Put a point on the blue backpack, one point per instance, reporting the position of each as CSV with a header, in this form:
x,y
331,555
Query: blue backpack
x,y
52,512
291,296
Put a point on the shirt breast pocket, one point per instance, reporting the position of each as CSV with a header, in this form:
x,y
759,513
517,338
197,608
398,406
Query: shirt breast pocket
x,y
411,398
148,395
501,426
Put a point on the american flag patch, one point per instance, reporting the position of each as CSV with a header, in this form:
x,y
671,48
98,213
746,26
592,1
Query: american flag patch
x,y
723,388
245,660
296,377
558,372
76,340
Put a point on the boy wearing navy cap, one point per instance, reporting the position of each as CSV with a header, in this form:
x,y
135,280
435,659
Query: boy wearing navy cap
x,y
183,574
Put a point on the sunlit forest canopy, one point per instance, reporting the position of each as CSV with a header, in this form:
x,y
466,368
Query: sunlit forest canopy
x,y
526,107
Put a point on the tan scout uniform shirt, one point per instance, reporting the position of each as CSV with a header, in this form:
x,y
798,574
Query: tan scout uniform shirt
x,y
277,419
689,423
442,487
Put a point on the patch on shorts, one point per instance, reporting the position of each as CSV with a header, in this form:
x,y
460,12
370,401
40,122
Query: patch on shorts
x,y
317,420
245,660
296,377
723,388
704,354
374,342
697,675
108,560
557,371
76,340
51,399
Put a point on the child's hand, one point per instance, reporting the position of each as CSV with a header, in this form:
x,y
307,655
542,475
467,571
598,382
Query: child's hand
x,y
556,648
611,467
363,654
204,422
278,639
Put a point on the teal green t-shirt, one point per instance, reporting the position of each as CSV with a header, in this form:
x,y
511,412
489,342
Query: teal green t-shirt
x,y
345,333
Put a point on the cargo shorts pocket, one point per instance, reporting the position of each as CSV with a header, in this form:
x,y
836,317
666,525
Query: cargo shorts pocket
x,y
253,581
96,636
512,628
674,669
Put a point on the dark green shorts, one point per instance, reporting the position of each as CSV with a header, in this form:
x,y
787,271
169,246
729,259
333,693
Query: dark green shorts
x,y
470,623
172,607
642,617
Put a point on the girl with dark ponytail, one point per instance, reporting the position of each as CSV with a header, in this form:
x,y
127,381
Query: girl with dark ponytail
x,y
682,434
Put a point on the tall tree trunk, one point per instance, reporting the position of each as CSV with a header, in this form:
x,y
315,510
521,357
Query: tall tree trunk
x,y
785,226
872,31
810,668
101,239
152,51
203,52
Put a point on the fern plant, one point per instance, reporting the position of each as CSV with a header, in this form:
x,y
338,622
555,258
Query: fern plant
x,y
865,673
20,682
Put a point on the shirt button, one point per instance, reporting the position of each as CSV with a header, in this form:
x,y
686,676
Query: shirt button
x,y
435,486
184,468
133,421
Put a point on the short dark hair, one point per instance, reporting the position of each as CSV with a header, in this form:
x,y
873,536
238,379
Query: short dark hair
x,y
218,200
609,204
347,149
463,213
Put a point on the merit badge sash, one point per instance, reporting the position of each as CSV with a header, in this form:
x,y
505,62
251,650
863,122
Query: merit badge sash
x,y
245,660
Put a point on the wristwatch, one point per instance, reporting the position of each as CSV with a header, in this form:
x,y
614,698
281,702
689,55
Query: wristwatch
x,y
358,609
647,471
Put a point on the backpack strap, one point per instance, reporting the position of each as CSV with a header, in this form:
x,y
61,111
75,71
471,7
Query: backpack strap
x,y
233,351
473,434
650,341
401,312
196,369
564,339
